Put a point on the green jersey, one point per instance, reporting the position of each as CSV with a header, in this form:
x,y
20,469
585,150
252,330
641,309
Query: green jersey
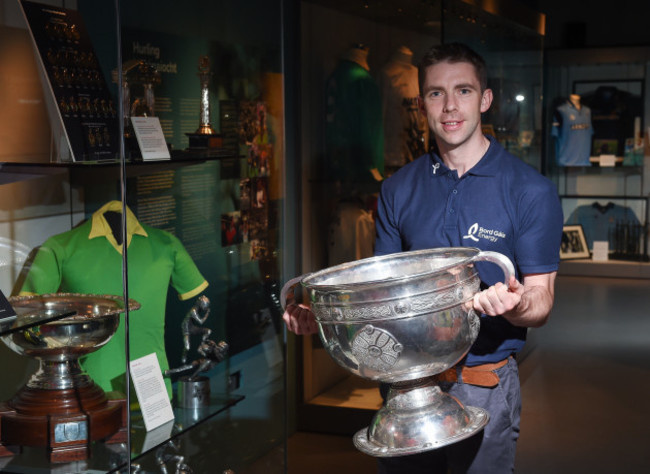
x,y
88,259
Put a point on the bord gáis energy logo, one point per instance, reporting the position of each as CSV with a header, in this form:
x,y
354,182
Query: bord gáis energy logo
x,y
476,232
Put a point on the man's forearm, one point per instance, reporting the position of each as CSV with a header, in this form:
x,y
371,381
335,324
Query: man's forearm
x,y
534,308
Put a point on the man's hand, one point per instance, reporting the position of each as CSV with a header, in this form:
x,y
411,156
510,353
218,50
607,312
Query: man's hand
x,y
499,299
525,305
300,320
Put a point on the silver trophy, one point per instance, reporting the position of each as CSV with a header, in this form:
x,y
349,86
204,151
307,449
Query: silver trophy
x,y
204,137
205,128
194,389
61,407
402,319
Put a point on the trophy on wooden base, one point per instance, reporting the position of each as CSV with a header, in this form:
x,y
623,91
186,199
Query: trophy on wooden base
x,y
60,407
205,137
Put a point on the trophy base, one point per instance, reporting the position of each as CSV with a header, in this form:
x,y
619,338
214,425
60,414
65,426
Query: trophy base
x,y
65,421
417,417
193,393
204,141
478,418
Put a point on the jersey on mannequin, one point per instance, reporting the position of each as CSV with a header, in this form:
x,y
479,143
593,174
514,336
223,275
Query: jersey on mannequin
x,y
353,125
406,133
88,259
573,131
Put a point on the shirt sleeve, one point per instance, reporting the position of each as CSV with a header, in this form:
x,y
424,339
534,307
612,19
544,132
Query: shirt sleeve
x,y
44,274
186,277
538,246
388,235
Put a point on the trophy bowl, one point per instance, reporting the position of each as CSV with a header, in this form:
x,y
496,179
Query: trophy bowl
x,y
60,406
93,322
401,319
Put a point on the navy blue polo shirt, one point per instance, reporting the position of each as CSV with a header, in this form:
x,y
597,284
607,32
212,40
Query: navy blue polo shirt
x,y
501,204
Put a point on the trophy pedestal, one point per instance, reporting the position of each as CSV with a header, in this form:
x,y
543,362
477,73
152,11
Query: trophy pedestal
x,y
65,421
205,141
417,417
193,393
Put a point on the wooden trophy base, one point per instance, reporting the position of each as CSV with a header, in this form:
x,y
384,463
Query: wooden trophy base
x,y
204,141
65,421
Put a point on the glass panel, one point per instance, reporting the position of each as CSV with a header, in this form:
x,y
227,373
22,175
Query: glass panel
x,y
58,116
610,89
212,210
359,106
513,53
207,271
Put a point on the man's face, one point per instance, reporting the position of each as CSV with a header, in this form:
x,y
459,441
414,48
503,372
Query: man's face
x,y
453,102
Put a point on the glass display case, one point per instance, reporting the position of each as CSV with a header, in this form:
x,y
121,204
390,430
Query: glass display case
x,y
605,89
361,122
141,160
609,84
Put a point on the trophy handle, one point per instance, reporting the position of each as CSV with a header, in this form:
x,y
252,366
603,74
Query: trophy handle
x,y
289,286
501,260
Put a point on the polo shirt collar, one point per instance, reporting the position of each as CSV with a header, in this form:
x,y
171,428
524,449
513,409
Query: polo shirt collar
x,y
487,166
100,228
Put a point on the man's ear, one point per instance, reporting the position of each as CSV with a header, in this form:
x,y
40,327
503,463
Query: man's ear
x,y
486,100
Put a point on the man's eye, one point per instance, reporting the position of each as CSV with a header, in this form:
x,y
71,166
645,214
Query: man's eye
x,y
434,94
465,91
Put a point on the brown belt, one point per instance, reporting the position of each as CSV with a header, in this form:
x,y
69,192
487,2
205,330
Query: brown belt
x,y
480,375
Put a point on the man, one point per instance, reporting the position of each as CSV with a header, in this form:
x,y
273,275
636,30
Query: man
x,y
471,192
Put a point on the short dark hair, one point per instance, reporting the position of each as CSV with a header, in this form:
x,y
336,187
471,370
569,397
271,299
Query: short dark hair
x,y
453,53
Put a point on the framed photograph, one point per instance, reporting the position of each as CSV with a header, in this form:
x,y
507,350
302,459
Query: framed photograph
x,y
574,244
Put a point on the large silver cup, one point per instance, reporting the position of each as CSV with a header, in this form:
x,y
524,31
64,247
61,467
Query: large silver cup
x,y
401,319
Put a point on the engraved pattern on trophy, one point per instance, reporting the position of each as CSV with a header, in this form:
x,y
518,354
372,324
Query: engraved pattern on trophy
x,y
376,348
415,306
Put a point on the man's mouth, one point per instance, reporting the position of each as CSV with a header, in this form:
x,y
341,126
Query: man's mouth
x,y
452,124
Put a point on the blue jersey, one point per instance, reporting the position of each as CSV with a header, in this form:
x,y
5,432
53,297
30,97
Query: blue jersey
x,y
572,131
501,205
599,222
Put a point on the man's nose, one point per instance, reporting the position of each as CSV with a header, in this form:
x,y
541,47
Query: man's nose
x,y
450,103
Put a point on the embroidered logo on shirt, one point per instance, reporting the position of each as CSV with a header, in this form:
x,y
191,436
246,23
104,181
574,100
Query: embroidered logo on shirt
x,y
476,232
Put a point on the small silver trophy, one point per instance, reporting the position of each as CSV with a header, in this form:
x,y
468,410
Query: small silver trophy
x,y
193,389
204,76
205,137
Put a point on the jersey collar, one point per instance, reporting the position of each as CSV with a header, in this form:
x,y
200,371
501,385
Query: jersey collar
x,y
487,166
100,228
